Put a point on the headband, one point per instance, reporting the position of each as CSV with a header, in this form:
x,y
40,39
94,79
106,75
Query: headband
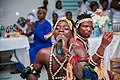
x,y
65,19
83,20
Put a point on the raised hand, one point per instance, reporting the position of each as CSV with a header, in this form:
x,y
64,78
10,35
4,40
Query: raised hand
x,y
106,39
49,35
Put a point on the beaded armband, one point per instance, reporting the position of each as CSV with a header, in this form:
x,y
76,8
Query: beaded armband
x,y
92,62
33,71
99,55
29,70
85,60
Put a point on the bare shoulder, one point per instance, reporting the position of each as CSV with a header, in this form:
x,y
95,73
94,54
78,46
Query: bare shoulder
x,y
79,50
43,54
44,51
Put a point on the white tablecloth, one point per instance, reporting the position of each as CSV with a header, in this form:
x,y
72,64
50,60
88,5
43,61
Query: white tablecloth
x,y
20,45
111,51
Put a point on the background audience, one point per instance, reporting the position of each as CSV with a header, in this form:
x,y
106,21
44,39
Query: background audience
x,y
115,7
59,9
49,11
54,18
85,6
79,7
69,17
42,27
105,8
94,6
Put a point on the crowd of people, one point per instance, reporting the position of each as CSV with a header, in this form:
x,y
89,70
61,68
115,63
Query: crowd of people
x,y
68,57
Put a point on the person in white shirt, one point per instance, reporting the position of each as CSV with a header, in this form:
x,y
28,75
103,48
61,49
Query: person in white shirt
x,y
79,8
59,9
85,6
105,8
21,25
115,7
30,22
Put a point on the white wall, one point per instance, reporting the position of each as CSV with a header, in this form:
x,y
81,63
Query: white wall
x,y
8,9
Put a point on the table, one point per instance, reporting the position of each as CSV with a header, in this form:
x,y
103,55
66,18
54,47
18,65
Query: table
x,y
112,50
21,47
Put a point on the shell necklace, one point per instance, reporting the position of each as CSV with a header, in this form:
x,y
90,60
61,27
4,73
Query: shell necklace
x,y
84,41
52,55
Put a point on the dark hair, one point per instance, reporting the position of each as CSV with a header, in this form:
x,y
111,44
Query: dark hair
x,y
54,21
57,4
93,3
101,1
68,12
55,14
45,2
83,16
115,5
84,1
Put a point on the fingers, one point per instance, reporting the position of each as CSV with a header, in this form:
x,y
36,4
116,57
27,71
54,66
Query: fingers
x,y
110,39
107,38
108,35
61,37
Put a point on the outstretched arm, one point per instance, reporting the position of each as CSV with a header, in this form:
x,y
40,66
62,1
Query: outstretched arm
x,y
106,40
49,35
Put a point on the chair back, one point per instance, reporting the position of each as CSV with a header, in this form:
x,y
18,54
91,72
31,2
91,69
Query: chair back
x,y
116,26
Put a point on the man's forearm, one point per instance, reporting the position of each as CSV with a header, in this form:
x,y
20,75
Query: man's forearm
x,y
32,77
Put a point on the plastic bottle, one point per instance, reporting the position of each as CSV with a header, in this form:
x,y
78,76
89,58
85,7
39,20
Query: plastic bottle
x,y
96,30
11,28
7,29
110,28
7,32
2,31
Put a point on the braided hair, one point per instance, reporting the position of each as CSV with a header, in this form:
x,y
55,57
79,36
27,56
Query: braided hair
x,y
83,16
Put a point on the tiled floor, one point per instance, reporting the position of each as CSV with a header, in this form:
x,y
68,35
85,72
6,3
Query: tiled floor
x,y
6,69
6,75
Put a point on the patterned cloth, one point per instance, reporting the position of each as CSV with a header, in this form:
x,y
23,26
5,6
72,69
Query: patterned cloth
x,y
89,73
21,20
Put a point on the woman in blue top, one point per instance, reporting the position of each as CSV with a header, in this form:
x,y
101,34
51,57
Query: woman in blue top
x,y
42,27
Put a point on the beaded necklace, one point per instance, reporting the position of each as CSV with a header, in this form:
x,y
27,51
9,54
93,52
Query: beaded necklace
x,y
52,55
84,41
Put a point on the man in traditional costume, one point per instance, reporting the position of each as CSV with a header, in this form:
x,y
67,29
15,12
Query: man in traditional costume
x,y
84,28
62,61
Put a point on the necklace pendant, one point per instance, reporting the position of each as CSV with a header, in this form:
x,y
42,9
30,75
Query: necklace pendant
x,y
59,51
